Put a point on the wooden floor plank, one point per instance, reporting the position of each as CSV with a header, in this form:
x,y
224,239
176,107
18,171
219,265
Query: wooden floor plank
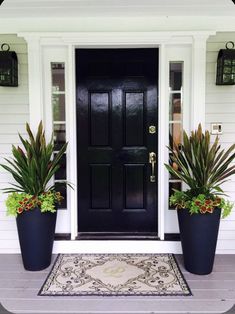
x,y
228,259
203,294
224,268
194,284
217,267
212,284
21,284
213,276
118,306
16,275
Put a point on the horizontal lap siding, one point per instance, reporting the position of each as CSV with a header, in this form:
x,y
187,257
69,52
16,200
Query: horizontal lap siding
x,y
220,107
14,112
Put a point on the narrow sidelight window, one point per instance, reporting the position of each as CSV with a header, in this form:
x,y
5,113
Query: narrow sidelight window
x,y
175,114
59,122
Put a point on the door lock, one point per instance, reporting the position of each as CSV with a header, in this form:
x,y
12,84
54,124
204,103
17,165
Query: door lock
x,y
152,161
152,129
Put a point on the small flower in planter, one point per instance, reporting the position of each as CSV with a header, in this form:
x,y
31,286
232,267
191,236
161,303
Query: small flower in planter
x,y
17,203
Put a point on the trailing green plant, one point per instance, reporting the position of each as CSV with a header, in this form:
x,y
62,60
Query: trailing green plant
x,y
204,167
17,203
33,167
201,203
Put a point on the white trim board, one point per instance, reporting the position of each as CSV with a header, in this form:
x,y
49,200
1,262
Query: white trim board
x,y
117,246
117,24
137,246
101,39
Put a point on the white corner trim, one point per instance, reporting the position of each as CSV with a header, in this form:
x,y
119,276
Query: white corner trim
x,y
162,140
198,80
35,83
72,140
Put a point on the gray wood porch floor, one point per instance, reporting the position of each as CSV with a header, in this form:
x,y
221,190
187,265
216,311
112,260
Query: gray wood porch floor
x,y
214,293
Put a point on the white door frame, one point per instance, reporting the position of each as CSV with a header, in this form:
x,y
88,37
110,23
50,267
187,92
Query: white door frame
x,y
196,40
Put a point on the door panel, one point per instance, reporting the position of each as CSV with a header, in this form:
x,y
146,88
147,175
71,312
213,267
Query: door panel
x,y
99,116
135,194
100,189
134,118
116,104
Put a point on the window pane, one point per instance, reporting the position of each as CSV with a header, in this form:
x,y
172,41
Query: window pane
x,y
175,107
61,172
59,136
174,186
176,75
175,134
175,167
58,74
62,189
58,103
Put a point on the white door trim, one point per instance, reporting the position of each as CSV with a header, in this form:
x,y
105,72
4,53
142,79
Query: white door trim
x,y
196,39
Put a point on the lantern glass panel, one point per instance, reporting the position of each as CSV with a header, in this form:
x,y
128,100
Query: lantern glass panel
x,y
226,78
8,68
227,70
227,62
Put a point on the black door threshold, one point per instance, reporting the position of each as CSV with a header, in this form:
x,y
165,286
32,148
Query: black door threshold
x,y
116,236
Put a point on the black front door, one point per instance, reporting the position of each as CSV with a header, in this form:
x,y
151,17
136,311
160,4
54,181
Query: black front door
x,y
116,105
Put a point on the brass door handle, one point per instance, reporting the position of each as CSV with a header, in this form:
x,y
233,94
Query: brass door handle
x,y
152,161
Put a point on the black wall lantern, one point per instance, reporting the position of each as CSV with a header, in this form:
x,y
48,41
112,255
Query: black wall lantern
x,y
226,65
8,66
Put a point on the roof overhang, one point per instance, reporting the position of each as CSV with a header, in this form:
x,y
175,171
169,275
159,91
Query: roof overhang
x,y
116,15
97,8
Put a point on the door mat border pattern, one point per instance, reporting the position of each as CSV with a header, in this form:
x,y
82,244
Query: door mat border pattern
x,y
94,291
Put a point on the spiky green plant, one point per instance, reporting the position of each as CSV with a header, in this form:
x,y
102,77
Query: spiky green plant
x,y
203,166
33,165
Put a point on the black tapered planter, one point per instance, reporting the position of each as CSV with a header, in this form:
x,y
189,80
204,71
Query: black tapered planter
x,y
199,233
36,232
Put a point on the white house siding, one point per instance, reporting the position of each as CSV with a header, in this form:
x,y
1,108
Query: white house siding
x,y
220,107
14,112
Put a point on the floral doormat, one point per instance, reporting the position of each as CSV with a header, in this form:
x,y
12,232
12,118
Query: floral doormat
x,y
115,275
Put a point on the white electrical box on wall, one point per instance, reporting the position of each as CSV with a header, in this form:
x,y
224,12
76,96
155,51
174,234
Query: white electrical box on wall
x,y
216,128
